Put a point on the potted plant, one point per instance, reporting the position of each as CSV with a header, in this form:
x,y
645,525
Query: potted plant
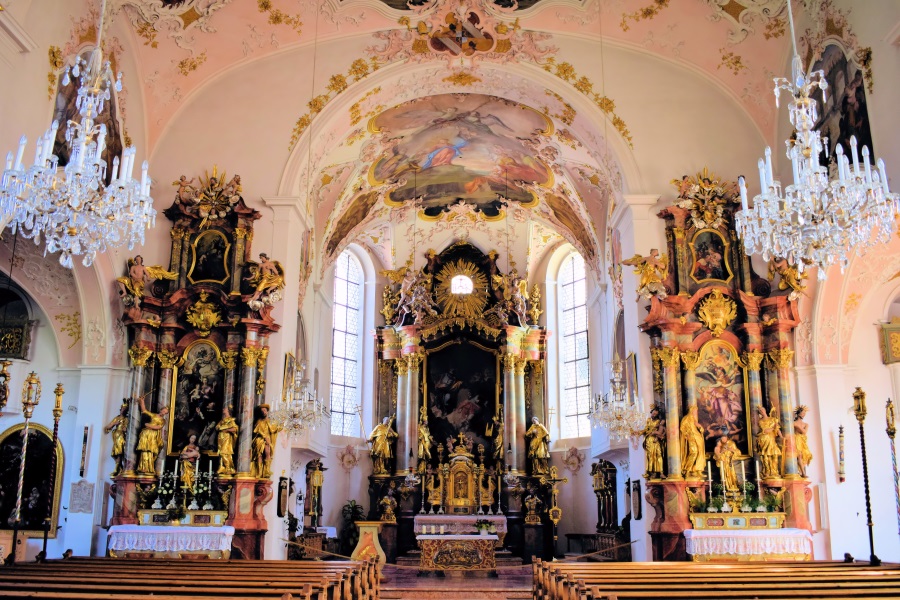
x,y
698,505
176,514
715,504
351,512
482,525
771,502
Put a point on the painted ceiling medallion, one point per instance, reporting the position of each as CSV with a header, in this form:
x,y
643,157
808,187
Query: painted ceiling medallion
x,y
717,312
461,147
468,306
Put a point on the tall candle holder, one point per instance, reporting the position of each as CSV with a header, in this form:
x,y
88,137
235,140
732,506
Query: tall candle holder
x,y
859,409
57,414
891,432
31,396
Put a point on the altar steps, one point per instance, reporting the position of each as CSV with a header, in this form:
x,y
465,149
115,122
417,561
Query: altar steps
x,y
405,584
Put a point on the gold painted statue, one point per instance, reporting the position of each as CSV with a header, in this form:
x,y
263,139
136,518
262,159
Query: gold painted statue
x,y
725,453
189,456
654,444
262,448
801,427
117,427
790,277
426,441
150,439
767,443
388,508
487,492
538,447
653,270
226,438
138,276
435,489
267,279
381,439
693,446
495,430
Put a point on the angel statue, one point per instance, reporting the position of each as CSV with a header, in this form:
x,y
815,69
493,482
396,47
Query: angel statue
x,y
790,277
653,270
422,304
134,282
267,279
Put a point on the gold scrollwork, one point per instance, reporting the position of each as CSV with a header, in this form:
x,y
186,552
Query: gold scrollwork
x,y
535,312
717,312
203,315
471,305
521,363
261,372
229,359
177,233
140,355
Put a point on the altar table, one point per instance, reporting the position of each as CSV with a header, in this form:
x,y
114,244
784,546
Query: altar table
x,y
710,545
461,524
457,552
170,541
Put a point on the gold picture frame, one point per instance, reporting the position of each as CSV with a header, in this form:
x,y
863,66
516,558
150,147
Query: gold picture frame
x,y
178,373
36,462
210,247
713,260
290,371
720,378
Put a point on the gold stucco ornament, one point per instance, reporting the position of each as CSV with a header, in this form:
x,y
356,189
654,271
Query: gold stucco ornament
x,y
717,312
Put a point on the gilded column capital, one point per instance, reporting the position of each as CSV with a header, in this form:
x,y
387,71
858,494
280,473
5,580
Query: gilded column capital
x,y
241,233
177,233
509,362
669,357
263,357
140,355
166,358
781,358
229,359
250,355
402,366
521,363
537,367
753,359
414,360
690,359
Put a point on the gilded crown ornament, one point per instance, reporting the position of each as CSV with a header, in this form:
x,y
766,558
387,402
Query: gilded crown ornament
x,y
717,312
203,315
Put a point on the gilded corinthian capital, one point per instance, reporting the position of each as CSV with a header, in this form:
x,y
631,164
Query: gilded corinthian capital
x,y
229,359
753,359
509,362
167,359
250,355
781,358
414,360
669,357
691,360
140,355
402,366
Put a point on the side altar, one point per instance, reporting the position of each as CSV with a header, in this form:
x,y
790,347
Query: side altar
x,y
193,442
461,397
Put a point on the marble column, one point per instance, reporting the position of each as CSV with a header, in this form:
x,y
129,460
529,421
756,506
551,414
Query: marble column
x,y
403,410
753,360
781,360
250,361
229,361
139,357
669,359
177,235
167,360
521,425
413,397
691,361
509,412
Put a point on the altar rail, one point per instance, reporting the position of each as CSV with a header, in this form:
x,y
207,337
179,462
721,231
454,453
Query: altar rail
x,y
164,579
613,581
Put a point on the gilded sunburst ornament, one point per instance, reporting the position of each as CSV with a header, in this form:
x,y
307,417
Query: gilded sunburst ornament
x,y
469,306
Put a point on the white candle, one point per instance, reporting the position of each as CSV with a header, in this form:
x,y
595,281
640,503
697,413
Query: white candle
x,y
770,176
176,470
442,530
840,162
743,472
865,153
432,530
22,141
210,469
115,171
9,161
709,470
423,529
853,146
743,186
722,475
763,188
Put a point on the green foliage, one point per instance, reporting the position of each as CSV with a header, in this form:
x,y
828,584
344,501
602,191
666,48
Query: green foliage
x,y
717,502
176,513
351,512
771,501
698,505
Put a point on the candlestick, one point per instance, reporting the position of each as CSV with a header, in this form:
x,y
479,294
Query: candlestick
x,y
423,529
842,476
176,471
442,530
722,476
432,530
758,482
743,473
709,471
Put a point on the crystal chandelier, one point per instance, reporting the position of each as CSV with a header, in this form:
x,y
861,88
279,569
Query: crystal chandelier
x,y
817,221
75,211
301,408
622,416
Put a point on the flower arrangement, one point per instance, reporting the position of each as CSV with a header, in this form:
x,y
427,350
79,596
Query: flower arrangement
x,y
166,489
483,525
176,513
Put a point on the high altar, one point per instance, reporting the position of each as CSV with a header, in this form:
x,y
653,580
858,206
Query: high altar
x,y
194,429
459,376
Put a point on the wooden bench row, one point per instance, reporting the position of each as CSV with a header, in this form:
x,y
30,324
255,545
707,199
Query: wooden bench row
x,y
165,579
611,581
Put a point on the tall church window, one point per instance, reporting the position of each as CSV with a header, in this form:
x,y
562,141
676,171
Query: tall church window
x,y
345,347
575,371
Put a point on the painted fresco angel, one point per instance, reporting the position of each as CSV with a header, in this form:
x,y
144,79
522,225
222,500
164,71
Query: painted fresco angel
x,y
653,270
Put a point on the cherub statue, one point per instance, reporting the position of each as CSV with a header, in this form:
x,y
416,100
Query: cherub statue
x,y
133,284
186,196
653,270
790,277
422,304
267,278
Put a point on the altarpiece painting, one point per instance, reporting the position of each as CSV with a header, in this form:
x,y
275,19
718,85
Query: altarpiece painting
x,y
198,395
721,403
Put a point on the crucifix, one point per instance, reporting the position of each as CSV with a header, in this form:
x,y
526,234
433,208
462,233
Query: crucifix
x,y
554,512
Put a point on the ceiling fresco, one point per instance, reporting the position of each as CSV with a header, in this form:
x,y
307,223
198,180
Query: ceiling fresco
x,y
461,147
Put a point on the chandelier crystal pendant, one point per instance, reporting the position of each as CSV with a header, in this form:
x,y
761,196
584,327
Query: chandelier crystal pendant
x,y
622,416
74,210
301,409
816,221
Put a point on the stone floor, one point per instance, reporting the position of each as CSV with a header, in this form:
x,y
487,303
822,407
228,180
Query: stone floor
x,y
405,583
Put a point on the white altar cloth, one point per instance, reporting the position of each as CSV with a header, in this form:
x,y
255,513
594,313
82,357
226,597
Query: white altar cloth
x,y
167,538
460,524
782,543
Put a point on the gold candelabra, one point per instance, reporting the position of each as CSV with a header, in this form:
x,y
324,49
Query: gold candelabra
x,y
31,396
859,409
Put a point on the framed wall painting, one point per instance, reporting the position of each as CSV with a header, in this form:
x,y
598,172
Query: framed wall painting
x,y
37,481
209,258
710,257
290,370
723,406
198,395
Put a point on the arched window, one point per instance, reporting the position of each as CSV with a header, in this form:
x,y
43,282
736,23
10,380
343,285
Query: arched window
x,y
574,368
345,355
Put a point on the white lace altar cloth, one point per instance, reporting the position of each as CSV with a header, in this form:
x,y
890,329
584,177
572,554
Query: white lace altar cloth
x,y
706,542
460,524
167,538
